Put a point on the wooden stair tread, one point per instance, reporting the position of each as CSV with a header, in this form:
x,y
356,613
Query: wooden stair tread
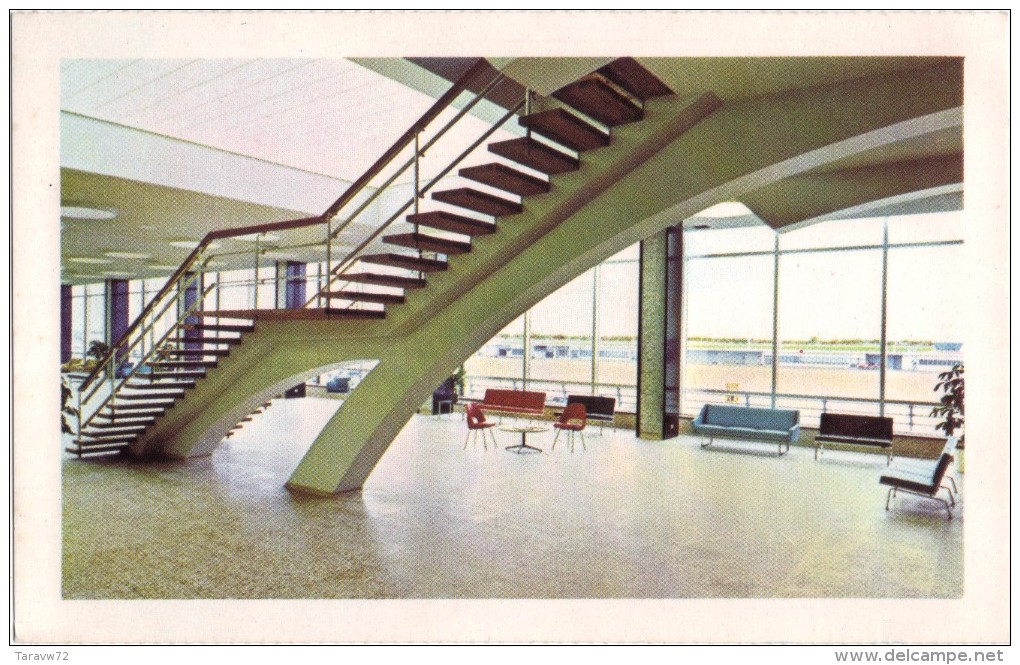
x,y
472,199
204,340
159,385
122,422
535,155
93,450
221,327
110,440
178,374
149,396
382,298
428,243
202,351
507,179
630,75
155,410
408,261
596,99
182,364
384,280
447,221
318,314
566,129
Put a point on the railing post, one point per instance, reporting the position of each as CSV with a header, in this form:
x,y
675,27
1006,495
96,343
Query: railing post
x,y
329,260
255,284
910,416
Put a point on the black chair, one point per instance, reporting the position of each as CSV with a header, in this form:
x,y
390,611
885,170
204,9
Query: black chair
x,y
923,478
599,409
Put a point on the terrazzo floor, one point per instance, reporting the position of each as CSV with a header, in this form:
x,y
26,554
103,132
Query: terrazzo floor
x,y
626,518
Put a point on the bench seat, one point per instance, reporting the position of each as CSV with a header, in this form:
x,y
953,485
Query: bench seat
x,y
855,430
515,402
923,478
749,423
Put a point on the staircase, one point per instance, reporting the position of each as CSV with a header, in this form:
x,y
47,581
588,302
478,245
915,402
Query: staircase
x,y
363,284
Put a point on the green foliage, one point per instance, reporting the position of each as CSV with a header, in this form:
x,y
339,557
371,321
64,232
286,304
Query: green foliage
x,y
950,407
97,349
65,408
458,379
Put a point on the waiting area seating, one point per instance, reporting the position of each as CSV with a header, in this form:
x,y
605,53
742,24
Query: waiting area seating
x,y
599,409
476,423
923,478
855,430
572,421
515,402
749,423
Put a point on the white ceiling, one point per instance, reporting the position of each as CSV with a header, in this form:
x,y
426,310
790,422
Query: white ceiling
x,y
327,116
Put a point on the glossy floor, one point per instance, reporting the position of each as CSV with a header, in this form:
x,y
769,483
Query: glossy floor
x,y
624,519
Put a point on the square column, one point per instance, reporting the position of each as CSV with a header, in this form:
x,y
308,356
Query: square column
x,y
658,380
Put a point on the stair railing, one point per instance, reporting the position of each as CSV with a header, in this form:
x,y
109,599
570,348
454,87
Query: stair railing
x,y
132,342
413,161
352,257
154,350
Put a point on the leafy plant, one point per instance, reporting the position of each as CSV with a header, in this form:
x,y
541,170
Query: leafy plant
x,y
65,408
97,349
950,407
458,379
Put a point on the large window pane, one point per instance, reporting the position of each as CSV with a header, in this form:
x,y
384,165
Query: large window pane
x,y
499,363
96,313
78,342
561,341
830,306
616,370
729,331
933,227
699,242
924,329
837,233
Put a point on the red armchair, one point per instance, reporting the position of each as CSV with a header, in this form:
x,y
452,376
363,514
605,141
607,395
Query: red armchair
x,y
572,420
476,422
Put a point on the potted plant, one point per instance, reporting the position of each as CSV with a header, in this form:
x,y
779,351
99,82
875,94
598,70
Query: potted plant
x,y
65,408
97,350
950,407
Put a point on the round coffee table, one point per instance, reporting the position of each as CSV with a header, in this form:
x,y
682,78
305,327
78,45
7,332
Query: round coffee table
x,y
524,430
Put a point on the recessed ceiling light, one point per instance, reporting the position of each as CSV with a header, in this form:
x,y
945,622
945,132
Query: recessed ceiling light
x,y
85,212
726,209
126,255
116,273
87,259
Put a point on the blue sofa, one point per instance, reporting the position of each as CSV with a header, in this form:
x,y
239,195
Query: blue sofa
x,y
742,422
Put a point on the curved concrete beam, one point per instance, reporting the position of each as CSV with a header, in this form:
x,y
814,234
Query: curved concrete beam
x,y
655,173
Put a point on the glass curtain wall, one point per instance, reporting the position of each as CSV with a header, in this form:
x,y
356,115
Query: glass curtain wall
x,y
843,289
580,340
616,284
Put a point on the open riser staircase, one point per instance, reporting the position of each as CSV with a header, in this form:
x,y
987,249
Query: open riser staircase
x,y
364,283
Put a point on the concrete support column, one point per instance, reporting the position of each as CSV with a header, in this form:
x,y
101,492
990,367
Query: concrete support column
x,y
117,307
65,323
658,389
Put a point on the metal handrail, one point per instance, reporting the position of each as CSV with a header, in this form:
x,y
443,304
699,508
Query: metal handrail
x,y
124,338
171,330
353,190
353,255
